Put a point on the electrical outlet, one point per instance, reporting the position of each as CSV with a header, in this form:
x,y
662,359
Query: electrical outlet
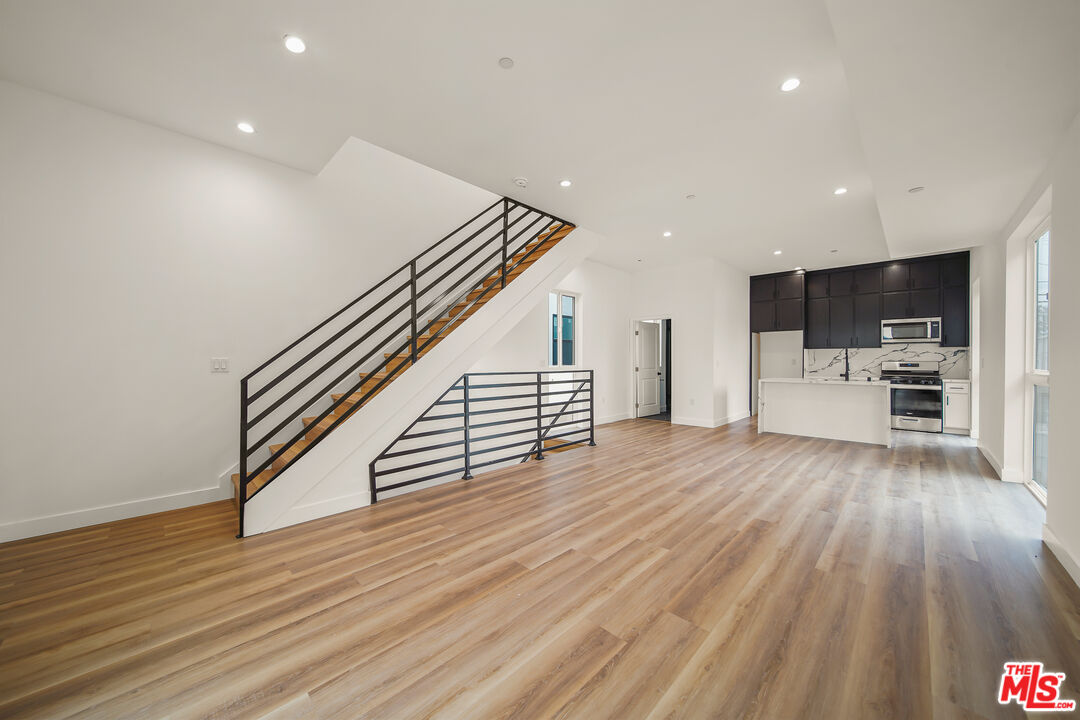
x,y
219,365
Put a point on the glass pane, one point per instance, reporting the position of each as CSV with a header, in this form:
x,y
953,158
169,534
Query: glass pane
x,y
568,305
909,331
1041,433
1042,302
567,340
553,327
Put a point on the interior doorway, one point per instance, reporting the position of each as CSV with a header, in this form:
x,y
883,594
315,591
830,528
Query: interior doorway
x,y
652,369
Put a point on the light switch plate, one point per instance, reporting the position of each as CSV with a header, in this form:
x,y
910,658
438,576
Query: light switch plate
x,y
219,365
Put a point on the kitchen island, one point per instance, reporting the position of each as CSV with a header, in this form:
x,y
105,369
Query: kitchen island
x,y
833,408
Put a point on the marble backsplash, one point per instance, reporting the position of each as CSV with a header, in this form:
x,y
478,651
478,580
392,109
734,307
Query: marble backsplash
x,y
867,361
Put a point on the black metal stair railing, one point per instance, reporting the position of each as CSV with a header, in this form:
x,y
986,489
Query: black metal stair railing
x,y
487,419
377,336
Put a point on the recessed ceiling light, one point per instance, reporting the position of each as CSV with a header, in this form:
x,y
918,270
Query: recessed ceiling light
x,y
790,84
839,191
777,252
565,183
916,189
506,63
798,269
833,251
294,44
245,127
667,233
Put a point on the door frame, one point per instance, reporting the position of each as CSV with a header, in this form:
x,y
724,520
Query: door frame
x,y
633,360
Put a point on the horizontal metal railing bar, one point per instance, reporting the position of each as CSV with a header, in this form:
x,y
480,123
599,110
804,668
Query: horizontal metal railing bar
x,y
529,419
318,396
367,293
425,448
567,391
326,366
414,481
508,458
497,236
525,257
441,301
503,447
425,463
499,410
508,433
568,423
459,401
532,373
553,404
500,397
420,273
553,448
560,414
429,433
440,417
530,207
503,385
303,361
333,406
586,381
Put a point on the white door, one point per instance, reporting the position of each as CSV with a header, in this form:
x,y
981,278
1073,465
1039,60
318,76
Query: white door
x,y
648,368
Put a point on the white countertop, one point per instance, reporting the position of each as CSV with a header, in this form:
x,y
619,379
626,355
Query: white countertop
x,y
825,381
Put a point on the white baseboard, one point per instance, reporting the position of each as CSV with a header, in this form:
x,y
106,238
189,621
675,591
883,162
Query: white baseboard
x,y
991,459
107,513
702,422
1062,554
613,418
730,419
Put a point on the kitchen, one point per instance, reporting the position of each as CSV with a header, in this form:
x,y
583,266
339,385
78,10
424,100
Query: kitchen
x,y
854,353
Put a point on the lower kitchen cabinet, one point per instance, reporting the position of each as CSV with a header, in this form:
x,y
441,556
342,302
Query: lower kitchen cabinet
x,y
957,407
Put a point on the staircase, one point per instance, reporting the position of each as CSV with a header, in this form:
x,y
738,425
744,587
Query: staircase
x,y
339,366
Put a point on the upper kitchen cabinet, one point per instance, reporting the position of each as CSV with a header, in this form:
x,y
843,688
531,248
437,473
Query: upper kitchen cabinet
x,y
954,316
913,275
817,285
867,280
954,270
841,283
776,302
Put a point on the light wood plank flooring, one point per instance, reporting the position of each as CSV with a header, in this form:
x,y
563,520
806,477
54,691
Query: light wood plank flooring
x,y
670,572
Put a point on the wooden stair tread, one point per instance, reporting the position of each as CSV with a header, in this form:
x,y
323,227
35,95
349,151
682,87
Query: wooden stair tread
x,y
559,441
254,484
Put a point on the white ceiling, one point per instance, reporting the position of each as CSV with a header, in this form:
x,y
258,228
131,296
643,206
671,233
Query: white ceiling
x,y
639,103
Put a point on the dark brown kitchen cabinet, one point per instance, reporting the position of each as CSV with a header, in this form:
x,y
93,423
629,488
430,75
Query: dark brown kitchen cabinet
x,y
789,287
762,288
911,304
894,277
925,275
817,323
954,316
841,322
841,283
776,303
817,285
762,316
954,270
868,320
868,280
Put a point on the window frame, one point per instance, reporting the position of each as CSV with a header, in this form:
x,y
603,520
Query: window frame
x,y
1033,376
576,340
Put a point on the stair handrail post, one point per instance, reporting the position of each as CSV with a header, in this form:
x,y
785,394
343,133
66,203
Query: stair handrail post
x,y
412,309
371,482
465,425
505,240
592,419
242,485
539,420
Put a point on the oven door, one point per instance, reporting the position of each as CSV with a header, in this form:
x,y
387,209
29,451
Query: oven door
x,y
916,407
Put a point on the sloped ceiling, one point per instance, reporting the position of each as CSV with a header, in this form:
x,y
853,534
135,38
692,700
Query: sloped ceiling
x,y
638,103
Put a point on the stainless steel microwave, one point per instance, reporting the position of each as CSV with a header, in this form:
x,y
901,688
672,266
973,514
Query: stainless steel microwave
x,y
911,330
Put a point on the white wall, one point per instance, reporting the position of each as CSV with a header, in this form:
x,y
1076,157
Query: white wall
x,y
131,256
603,337
1063,495
782,354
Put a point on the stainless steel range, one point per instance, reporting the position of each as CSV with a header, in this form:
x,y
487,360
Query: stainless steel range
x,y
916,396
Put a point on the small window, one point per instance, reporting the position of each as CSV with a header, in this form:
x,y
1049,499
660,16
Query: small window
x,y
562,327
1042,302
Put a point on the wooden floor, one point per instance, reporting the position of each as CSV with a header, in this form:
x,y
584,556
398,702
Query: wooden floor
x,y
669,572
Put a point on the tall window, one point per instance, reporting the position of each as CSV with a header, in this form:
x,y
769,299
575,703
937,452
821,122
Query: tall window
x,y
1039,365
562,326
